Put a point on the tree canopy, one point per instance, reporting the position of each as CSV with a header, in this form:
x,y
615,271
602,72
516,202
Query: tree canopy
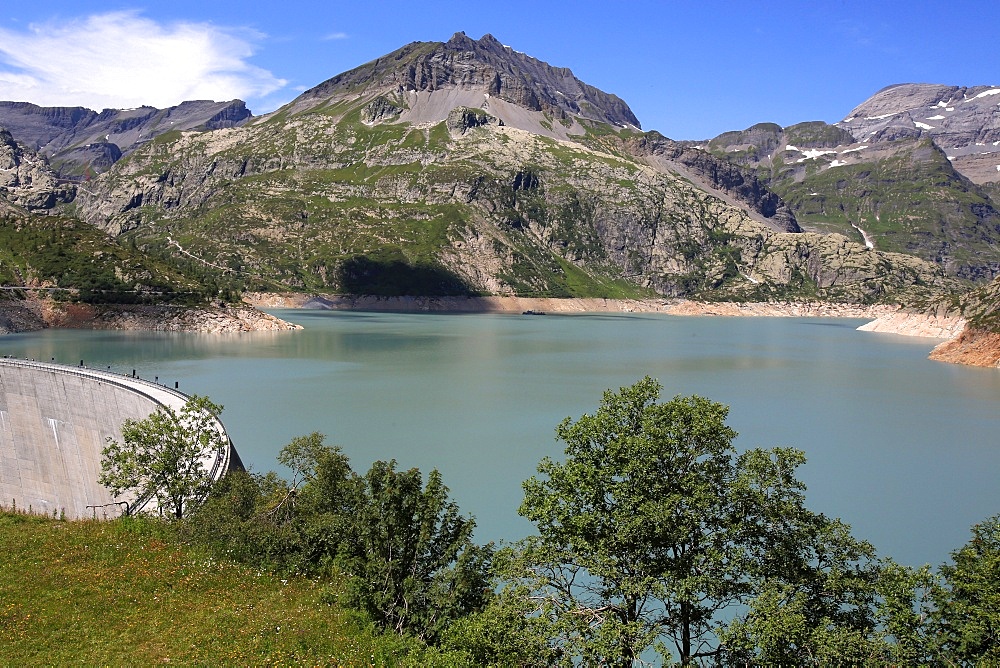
x,y
163,455
401,544
653,525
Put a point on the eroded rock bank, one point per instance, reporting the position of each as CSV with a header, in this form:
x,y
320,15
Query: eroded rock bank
x,y
973,347
207,320
491,304
25,315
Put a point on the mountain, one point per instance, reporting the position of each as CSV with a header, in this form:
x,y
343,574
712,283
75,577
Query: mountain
x,y
79,142
423,81
466,167
42,246
913,169
963,122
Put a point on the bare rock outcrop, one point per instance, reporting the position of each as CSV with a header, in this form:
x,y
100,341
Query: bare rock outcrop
x,y
718,175
963,120
973,347
25,177
207,320
485,68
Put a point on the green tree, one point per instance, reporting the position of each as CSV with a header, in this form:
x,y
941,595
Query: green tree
x,y
324,501
967,602
406,549
164,455
414,568
653,525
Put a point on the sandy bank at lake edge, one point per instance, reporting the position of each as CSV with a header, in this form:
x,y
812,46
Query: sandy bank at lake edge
x,y
503,304
908,323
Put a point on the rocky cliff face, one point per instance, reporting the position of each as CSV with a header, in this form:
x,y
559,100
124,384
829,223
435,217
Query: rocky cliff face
x,y
80,142
26,180
963,121
722,177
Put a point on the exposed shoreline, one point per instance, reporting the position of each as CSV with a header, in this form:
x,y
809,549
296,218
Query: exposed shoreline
x,y
503,304
957,344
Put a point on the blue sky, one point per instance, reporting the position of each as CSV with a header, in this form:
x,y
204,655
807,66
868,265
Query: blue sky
x,y
688,69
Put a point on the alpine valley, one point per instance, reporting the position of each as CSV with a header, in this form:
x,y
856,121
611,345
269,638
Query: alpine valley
x,y
468,168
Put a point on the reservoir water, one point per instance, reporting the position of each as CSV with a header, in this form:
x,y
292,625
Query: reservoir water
x,y
902,448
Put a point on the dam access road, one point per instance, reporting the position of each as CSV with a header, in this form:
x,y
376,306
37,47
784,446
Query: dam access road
x,y
54,423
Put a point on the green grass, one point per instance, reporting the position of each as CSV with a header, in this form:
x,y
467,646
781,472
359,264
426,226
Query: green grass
x,y
126,592
580,283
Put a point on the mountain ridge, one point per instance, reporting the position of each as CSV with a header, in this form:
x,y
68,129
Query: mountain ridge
x,y
466,167
80,142
887,176
498,79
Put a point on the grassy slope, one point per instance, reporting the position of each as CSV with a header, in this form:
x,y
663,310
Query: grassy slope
x,y
66,253
124,592
365,193
913,203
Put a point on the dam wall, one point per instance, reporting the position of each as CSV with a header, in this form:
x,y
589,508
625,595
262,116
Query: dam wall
x,y
54,423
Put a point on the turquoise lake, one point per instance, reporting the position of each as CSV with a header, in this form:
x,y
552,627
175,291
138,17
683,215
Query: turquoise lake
x,y
902,448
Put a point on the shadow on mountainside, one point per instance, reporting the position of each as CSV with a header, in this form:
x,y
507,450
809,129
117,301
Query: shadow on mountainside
x,y
372,276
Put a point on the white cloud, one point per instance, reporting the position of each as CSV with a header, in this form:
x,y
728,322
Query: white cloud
x,y
336,35
122,59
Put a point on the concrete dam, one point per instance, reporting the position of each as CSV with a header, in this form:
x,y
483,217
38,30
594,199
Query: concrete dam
x,y
54,422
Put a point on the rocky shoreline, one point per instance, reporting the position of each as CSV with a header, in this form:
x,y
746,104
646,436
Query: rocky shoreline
x,y
33,314
972,347
207,320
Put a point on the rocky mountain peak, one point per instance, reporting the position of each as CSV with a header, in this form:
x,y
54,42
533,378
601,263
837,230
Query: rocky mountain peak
x,y
964,121
430,79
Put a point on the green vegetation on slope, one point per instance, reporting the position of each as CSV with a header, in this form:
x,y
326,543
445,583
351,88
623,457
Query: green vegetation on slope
x,y
65,253
912,202
338,195
905,194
